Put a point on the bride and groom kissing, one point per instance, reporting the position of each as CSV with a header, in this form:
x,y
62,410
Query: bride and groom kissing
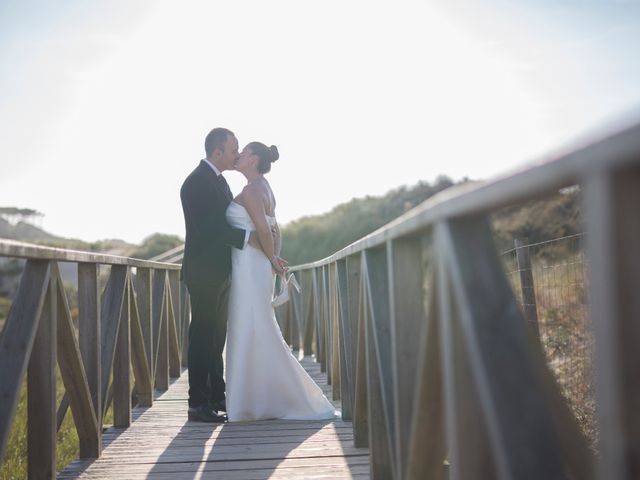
x,y
231,257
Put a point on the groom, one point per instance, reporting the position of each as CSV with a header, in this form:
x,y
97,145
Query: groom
x,y
206,267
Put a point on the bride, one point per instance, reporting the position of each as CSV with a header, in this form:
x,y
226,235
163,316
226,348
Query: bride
x,y
264,379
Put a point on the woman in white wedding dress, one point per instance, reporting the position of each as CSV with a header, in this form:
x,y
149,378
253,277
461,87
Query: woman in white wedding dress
x,y
264,380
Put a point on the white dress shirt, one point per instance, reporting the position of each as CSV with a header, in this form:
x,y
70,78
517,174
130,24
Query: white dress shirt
x,y
218,173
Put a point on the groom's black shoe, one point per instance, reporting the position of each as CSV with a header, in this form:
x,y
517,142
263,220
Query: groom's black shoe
x,y
204,413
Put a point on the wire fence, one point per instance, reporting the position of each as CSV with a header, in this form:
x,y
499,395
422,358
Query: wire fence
x,y
551,283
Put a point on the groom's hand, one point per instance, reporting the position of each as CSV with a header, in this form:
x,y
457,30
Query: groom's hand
x,y
253,240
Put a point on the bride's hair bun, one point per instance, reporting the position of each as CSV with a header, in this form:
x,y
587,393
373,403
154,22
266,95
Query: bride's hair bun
x,y
266,155
274,153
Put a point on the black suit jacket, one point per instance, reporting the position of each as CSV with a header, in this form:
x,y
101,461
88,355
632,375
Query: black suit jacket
x,y
209,238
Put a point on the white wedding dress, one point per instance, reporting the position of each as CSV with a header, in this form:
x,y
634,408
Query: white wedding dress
x,y
264,380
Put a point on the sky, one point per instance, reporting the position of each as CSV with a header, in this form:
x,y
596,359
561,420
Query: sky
x,y
105,104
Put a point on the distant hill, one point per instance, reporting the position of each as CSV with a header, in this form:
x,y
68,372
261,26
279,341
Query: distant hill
x,y
316,237
24,231
10,269
539,220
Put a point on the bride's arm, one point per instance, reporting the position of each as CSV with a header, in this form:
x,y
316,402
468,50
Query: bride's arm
x,y
278,240
254,203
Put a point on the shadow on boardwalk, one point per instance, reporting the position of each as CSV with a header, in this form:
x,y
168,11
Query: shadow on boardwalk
x,y
162,444
260,450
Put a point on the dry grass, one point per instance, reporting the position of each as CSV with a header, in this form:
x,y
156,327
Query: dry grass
x,y
561,286
14,463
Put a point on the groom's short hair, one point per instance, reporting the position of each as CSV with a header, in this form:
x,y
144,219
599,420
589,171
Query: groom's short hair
x,y
216,139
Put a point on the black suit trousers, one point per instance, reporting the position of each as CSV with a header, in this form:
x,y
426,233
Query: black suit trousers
x,y
207,334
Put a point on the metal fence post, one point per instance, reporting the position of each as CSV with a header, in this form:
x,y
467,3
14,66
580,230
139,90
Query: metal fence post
x,y
526,282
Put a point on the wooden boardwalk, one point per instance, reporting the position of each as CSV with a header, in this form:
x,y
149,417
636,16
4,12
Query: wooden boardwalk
x,y
162,444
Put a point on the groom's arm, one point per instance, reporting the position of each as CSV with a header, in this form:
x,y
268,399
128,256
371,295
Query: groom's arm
x,y
208,215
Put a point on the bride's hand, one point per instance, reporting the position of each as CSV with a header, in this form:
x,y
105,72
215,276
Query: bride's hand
x,y
279,264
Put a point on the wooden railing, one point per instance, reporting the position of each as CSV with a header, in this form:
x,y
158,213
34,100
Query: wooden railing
x,y
422,338
138,323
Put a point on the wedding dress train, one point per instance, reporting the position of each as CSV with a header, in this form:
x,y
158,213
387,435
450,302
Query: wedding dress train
x,y
264,380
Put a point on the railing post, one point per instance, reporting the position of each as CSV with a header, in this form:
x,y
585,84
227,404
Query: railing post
x,y
321,321
145,310
407,262
112,305
175,352
174,282
357,312
334,320
89,326
344,326
41,393
316,304
526,282
17,339
122,366
613,235
308,309
378,357
161,329
143,386
294,315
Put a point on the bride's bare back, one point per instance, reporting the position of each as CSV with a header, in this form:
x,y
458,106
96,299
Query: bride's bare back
x,y
258,199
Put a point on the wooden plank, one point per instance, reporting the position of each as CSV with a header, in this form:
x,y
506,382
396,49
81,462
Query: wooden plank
x,y
41,393
161,443
122,364
62,411
90,340
74,376
16,340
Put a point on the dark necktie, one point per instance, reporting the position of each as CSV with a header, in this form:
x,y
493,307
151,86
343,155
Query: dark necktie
x,y
225,187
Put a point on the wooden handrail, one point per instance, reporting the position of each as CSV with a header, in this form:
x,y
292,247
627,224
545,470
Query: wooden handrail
x,y
138,324
167,255
15,249
422,338
602,151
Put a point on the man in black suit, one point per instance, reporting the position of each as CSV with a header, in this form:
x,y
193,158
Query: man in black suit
x,y
206,269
